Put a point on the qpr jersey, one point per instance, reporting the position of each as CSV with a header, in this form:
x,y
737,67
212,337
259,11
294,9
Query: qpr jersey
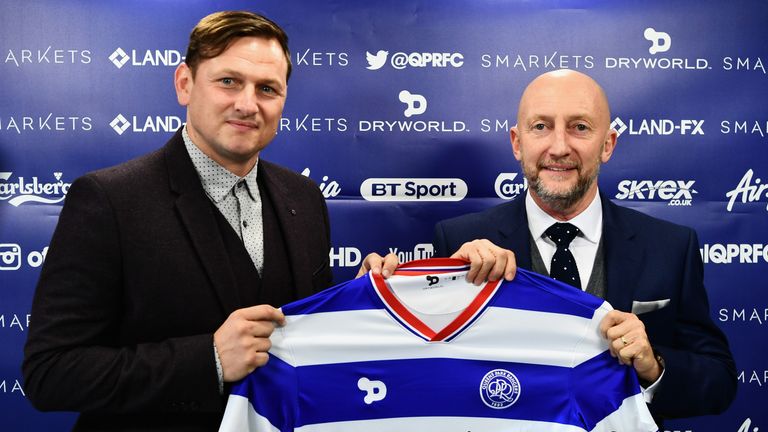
x,y
425,351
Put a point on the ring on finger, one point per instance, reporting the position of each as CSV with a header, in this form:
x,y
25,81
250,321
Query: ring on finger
x,y
624,341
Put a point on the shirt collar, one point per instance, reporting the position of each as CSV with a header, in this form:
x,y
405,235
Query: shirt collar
x,y
590,221
217,181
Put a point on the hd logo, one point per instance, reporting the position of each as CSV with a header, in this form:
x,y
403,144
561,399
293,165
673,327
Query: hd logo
x,y
657,127
676,192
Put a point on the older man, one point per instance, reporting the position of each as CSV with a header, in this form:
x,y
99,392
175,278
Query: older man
x,y
649,270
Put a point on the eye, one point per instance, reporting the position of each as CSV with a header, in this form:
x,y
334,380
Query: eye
x,y
267,89
539,126
227,81
581,127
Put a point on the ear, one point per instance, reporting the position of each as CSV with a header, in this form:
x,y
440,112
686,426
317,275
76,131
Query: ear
x,y
514,136
183,82
609,145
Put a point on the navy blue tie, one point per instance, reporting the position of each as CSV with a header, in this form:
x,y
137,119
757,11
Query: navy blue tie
x,y
563,267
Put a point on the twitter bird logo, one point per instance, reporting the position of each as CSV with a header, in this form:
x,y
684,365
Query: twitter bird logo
x,y
376,61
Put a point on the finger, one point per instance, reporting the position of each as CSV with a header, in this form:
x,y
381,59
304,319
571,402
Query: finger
x,y
499,264
468,252
262,313
612,320
391,261
372,263
261,329
487,262
511,265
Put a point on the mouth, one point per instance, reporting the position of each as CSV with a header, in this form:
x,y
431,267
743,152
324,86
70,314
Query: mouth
x,y
243,125
559,167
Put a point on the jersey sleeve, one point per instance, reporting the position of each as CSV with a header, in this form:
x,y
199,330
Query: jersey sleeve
x,y
266,399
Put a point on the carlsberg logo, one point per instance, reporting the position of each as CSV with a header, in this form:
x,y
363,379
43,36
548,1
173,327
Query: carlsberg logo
x,y
23,190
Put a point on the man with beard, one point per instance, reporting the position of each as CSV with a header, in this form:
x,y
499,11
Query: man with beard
x,y
649,270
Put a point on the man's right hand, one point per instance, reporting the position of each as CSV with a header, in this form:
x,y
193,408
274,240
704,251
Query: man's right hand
x,y
378,264
487,261
243,340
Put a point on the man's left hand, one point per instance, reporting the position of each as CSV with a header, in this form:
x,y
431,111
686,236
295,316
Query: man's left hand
x,y
629,342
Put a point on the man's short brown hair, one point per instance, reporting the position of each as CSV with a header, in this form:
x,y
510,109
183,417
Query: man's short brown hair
x,y
214,33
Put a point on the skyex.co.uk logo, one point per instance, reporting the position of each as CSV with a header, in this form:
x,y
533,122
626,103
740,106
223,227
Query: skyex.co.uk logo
x,y
120,124
658,127
401,60
140,58
675,192
23,190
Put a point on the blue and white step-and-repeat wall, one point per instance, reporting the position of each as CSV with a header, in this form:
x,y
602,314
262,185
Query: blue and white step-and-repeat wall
x,y
400,111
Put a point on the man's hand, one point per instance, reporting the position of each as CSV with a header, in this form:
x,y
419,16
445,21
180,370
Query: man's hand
x,y
243,340
629,342
487,261
377,264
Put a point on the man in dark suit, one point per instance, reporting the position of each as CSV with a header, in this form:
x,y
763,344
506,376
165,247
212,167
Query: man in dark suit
x,y
163,274
649,270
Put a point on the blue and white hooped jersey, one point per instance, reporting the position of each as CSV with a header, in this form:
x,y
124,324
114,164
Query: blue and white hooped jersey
x,y
427,351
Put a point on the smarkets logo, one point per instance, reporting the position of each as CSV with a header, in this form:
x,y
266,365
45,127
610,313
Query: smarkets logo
x,y
25,190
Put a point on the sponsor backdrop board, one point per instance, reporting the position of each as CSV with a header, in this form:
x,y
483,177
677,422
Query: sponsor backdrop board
x,y
400,112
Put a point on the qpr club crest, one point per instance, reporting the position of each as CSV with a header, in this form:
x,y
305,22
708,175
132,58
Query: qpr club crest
x,y
499,389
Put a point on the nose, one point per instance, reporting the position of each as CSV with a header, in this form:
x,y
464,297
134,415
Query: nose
x,y
246,103
559,147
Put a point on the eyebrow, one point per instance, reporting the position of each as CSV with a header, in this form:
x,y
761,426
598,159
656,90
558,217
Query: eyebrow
x,y
236,74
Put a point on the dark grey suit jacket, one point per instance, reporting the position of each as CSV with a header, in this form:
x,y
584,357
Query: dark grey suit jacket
x,y
652,267
136,281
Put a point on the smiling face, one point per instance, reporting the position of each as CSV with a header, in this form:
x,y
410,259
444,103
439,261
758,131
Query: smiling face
x,y
235,100
562,136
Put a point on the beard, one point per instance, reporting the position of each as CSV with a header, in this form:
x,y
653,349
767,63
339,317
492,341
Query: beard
x,y
560,201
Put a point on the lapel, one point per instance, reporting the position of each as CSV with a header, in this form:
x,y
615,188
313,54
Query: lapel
x,y
197,217
289,214
513,232
623,257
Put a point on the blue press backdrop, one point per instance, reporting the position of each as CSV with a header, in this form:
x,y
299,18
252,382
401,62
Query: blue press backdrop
x,y
84,85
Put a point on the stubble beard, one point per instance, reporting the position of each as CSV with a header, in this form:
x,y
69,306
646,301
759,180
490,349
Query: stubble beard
x,y
560,201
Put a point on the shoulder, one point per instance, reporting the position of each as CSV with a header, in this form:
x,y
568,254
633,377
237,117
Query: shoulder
x,y
285,176
644,223
132,172
492,216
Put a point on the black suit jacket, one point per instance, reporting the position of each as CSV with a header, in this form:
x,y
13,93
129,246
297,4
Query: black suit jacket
x,y
136,281
647,261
